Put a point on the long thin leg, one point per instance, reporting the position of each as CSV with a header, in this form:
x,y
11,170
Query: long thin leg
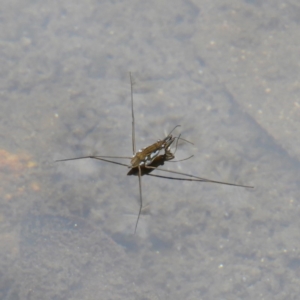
x,y
156,168
199,178
94,157
98,158
141,198
132,114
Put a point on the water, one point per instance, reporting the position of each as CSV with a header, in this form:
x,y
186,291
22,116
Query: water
x,y
226,73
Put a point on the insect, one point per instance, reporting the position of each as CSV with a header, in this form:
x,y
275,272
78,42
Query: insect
x,y
148,159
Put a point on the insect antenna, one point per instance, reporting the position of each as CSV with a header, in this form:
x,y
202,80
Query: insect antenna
x,y
173,129
184,140
177,144
172,155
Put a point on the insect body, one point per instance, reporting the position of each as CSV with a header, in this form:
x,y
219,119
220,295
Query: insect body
x,y
145,156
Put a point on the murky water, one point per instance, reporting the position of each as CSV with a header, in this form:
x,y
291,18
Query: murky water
x,y
224,71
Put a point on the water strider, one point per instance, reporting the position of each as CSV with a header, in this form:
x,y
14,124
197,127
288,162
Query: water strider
x,y
148,159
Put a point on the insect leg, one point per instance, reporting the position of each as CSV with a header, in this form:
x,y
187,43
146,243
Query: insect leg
x,y
141,198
